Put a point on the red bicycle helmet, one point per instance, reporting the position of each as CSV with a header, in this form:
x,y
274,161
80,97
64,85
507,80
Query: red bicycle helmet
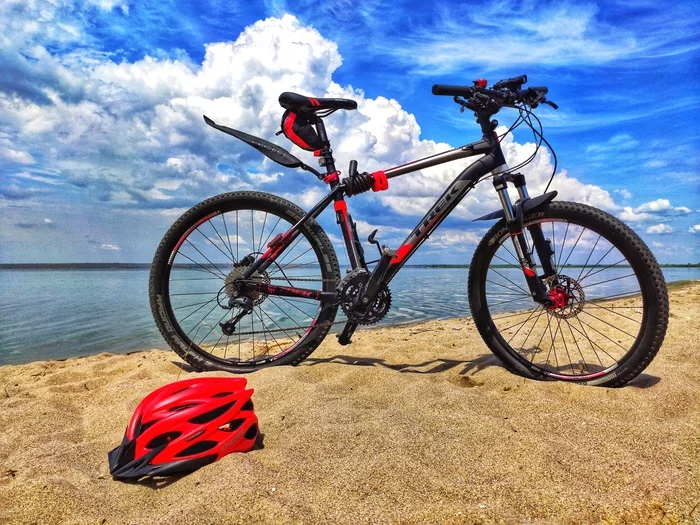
x,y
186,425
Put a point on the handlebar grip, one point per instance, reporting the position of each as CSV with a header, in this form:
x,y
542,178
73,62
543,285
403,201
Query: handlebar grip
x,y
511,83
540,89
446,89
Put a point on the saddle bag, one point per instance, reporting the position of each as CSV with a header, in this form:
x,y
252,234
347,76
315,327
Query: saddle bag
x,y
300,130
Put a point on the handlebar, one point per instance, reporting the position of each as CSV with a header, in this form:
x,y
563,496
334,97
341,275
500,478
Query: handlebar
x,y
503,93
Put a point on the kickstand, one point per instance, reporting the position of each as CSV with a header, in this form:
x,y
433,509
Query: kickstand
x,y
346,334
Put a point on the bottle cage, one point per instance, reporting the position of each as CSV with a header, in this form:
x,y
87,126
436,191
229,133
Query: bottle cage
x,y
300,130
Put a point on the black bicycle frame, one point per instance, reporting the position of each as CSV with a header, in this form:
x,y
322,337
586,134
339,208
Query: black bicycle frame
x,y
492,161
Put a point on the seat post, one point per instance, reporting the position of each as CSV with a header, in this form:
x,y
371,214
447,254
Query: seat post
x,y
326,153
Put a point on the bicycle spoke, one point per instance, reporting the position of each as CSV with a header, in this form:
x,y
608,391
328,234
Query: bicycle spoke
x,y
233,260
613,311
506,287
603,269
609,324
223,275
204,268
573,248
228,237
589,257
611,280
612,247
561,248
511,282
522,325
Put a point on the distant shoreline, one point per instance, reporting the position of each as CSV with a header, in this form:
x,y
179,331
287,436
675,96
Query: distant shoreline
x,y
147,266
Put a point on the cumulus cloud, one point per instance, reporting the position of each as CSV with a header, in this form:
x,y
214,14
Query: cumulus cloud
x,y
652,210
694,229
659,229
136,137
131,135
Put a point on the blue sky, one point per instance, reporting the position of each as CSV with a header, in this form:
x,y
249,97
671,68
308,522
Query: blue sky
x,y
102,145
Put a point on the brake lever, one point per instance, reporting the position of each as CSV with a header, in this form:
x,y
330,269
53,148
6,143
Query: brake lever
x,y
550,103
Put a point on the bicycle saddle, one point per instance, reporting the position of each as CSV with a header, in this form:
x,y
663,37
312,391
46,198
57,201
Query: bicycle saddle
x,y
300,102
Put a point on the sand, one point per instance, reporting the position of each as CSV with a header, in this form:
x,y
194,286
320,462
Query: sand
x,y
411,424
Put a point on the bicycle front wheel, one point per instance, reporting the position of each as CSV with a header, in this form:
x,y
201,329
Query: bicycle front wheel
x,y
199,266
610,305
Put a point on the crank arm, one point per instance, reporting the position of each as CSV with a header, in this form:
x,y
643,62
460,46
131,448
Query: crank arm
x,y
345,336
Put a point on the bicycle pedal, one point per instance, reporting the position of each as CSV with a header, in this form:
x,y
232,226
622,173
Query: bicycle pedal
x,y
344,337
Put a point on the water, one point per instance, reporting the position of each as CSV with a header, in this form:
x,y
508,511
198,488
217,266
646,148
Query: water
x,y
57,314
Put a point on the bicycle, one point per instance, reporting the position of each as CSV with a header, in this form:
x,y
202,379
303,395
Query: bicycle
x,y
241,264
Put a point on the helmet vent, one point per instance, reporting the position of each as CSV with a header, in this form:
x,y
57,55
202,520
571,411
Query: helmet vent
x,y
145,426
211,415
182,407
222,394
197,448
231,426
252,431
248,405
195,436
163,439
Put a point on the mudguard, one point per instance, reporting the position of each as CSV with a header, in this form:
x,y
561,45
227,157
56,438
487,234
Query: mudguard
x,y
270,150
527,206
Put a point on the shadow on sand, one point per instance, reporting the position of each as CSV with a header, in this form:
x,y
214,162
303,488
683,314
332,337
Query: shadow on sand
x,y
434,366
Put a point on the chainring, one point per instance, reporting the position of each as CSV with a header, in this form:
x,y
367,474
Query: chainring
x,y
350,287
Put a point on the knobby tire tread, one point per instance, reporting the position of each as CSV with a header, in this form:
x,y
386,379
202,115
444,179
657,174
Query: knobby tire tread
x,y
649,273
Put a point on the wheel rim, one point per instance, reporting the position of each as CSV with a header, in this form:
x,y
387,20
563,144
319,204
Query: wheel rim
x,y
598,313
200,279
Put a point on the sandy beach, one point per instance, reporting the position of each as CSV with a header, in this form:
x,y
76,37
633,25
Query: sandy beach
x,y
411,424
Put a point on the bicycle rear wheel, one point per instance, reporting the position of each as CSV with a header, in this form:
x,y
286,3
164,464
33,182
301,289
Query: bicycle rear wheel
x,y
198,267
610,309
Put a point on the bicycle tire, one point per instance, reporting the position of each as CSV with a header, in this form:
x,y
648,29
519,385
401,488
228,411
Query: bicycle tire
x,y
614,315
171,259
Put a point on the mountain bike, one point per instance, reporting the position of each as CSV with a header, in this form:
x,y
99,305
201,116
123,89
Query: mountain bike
x,y
557,290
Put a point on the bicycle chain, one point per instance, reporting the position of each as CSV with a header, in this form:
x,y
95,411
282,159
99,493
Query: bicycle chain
x,y
303,279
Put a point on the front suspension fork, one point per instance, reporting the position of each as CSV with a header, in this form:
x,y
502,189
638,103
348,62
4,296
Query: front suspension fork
x,y
514,215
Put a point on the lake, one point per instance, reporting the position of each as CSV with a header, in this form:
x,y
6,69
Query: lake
x,y
57,314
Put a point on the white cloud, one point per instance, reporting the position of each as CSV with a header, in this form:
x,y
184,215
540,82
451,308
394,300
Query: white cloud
x,y
625,194
20,157
662,207
659,229
131,134
110,247
657,244
652,211
694,229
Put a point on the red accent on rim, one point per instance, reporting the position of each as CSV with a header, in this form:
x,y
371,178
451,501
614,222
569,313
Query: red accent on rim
x,y
193,227
401,253
381,182
576,378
